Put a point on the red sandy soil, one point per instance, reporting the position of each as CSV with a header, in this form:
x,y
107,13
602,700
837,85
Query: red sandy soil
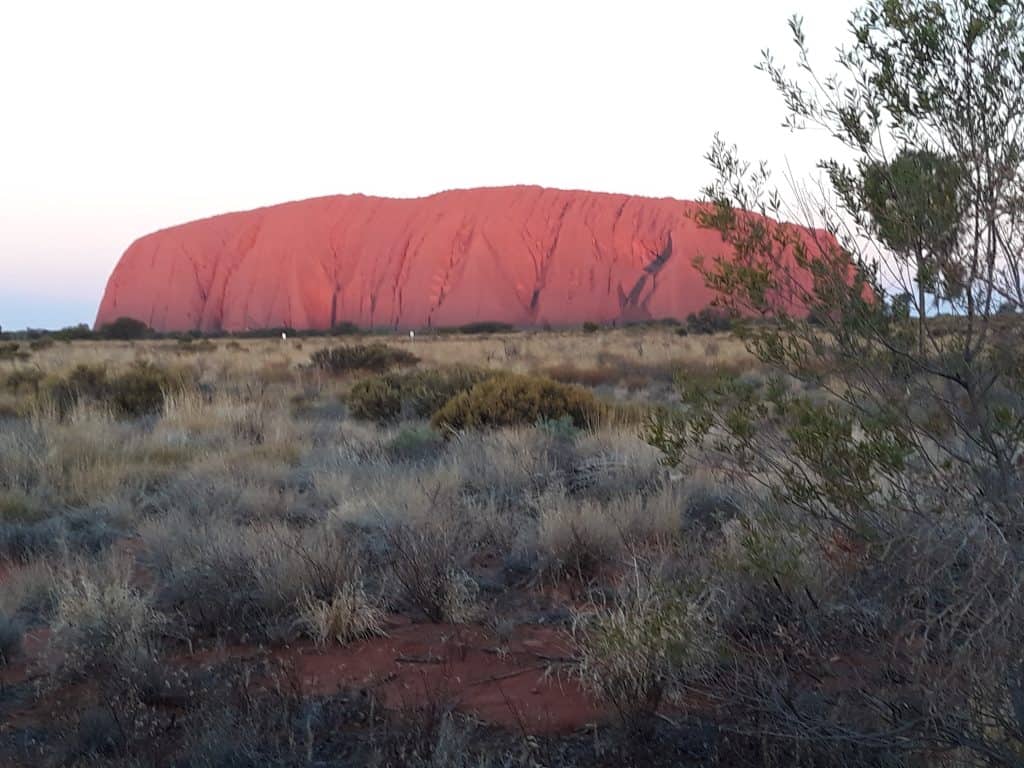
x,y
528,256
518,682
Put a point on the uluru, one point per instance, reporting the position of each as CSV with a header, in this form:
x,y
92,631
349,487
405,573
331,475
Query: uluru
x,y
526,256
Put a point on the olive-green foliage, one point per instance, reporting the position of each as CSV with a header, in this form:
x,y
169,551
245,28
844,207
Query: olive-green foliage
x,y
73,333
391,396
125,329
375,358
136,392
913,201
511,399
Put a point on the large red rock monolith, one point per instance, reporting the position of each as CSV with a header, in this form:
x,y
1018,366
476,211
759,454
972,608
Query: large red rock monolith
x,y
528,256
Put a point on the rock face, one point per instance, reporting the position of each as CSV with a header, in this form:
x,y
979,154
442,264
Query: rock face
x,y
522,255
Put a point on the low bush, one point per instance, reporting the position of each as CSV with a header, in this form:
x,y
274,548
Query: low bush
x,y
591,327
373,358
245,580
103,624
510,399
78,332
635,651
139,391
423,564
125,329
417,394
486,326
575,538
349,614
87,532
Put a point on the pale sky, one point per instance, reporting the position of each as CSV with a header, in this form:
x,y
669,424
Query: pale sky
x,y
119,118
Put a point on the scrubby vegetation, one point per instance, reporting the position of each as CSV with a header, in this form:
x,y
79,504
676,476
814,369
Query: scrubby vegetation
x,y
810,555
375,358
410,394
161,514
508,400
138,391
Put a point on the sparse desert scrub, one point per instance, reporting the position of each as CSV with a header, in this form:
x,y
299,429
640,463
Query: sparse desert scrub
x,y
259,510
138,391
575,538
349,614
233,579
102,622
424,563
29,590
641,647
87,457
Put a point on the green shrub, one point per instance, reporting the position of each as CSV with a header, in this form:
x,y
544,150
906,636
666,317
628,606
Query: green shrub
x,y
125,329
589,327
139,391
511,399
73,333
375,358
344,329
419,394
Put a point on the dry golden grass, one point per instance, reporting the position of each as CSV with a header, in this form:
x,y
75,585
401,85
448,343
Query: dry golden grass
x,y
643,350
251,507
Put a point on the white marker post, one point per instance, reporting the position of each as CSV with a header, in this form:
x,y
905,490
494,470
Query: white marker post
x,y
412,335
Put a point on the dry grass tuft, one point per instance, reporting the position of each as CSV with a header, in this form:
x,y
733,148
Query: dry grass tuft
x,y
349,614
